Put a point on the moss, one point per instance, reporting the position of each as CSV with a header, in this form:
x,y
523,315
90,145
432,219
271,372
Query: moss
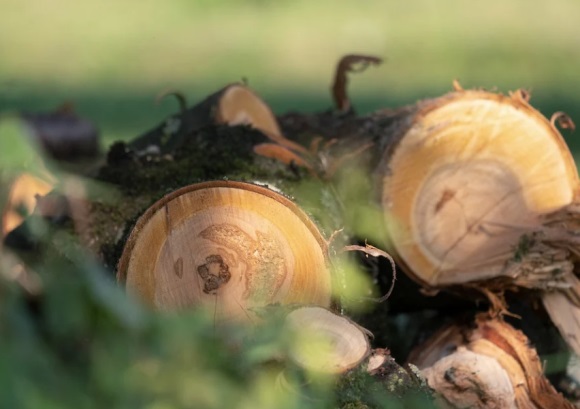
x,y
213,152
210,153
355,405
391,386
352,390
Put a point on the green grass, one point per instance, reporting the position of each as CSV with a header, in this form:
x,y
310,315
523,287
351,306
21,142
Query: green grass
x,y
113,57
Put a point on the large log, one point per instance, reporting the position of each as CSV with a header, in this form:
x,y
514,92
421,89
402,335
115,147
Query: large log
x,y
228,246
480,190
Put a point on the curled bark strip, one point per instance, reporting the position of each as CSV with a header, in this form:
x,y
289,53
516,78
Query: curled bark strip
x,y
521,95
346,65
457,86
315,144
181,99
284,155
563,120
375,252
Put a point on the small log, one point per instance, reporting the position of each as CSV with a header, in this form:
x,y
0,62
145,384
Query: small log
x,y
490,365
326,342
227,246
235,104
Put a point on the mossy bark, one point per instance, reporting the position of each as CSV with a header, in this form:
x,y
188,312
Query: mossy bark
x,y
213,152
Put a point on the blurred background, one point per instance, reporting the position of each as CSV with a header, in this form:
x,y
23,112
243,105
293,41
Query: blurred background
x,y
111,58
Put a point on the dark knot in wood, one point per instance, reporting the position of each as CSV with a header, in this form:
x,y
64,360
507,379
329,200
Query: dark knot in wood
x,y
214,273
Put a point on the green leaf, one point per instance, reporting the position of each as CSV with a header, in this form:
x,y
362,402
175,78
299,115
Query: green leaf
x,y
19,152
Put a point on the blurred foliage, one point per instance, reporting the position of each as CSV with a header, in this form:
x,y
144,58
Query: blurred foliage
x,y
81,343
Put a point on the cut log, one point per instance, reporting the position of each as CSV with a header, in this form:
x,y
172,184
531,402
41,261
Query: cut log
x,y
238,105
326,342
490,365
480,189
474,173
226,246
234,104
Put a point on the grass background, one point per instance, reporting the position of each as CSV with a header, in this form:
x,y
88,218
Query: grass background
x,y
113,57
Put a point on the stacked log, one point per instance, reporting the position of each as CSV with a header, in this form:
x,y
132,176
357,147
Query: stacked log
x,y
227,208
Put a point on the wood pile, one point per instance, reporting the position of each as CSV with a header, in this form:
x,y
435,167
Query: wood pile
x,y
228,208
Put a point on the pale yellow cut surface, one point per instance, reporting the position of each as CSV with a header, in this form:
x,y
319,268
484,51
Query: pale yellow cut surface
x,y
240,106
326,342
467,180
228,247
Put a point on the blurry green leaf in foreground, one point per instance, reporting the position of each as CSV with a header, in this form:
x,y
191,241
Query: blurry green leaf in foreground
x,y
17,147
354,296
83,344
